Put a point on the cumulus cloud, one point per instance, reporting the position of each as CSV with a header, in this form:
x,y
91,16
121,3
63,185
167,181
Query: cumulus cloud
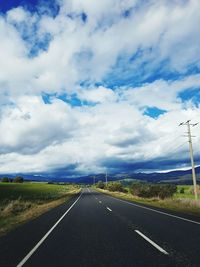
x,y
69,50
103,63
17,15
30,125
46,137
98,95
160,93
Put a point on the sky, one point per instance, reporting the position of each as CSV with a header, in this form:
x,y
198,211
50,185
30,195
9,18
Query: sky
x,y
90,86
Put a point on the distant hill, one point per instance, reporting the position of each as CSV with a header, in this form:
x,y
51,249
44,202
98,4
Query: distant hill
x,y
178,176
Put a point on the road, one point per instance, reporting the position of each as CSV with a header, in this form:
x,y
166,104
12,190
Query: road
x,y
94,229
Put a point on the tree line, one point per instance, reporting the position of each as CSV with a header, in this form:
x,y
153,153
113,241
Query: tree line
x,y
17,179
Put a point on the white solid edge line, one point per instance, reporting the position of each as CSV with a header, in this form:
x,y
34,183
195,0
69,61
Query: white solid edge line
x,y
152,242
108,208
46,235
161,212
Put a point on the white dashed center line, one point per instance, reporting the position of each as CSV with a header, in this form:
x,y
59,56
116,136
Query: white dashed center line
x,y
152,242
108,208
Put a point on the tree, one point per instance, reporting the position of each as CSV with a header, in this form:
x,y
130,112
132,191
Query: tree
x,y
5,179
18,179
116,186
100,185
167,191
182,190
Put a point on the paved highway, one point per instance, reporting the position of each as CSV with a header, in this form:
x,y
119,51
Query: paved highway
x,y
94,229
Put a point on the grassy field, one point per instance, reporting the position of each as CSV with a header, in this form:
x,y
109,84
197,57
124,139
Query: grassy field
x,y
188,192
184,203
22,202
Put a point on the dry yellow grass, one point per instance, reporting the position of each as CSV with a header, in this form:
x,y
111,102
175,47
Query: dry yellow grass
x,y
15,207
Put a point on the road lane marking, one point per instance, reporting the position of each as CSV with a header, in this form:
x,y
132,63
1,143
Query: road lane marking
x,y
152,242
46,235
88,190
100,201
161,212
108,208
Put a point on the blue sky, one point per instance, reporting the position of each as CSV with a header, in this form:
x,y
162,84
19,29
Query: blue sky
x,y
98,85
31,5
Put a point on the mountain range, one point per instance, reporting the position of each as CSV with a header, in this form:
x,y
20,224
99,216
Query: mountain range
x,y
177,176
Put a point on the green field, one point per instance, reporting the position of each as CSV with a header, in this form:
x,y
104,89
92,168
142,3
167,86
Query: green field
x,y
20,202
32,191
188,192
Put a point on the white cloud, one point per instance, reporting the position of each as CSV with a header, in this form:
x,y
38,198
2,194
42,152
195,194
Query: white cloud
x,y
168,31
161,94
46,137
30,125
98,95
17,15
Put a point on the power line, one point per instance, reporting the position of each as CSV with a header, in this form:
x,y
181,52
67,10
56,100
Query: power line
x,y
174,150
170,147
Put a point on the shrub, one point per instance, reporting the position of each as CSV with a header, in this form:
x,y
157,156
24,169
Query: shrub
x,y
182,190
152,190
5,180
167,191
100,185
136,189
116,186
143,190
18,179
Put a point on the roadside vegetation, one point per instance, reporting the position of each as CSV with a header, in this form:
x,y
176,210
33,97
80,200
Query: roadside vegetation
x,y
169,196
20,202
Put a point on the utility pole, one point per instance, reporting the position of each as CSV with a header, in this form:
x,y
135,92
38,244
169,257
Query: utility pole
x,y
191,154
94,180
106,178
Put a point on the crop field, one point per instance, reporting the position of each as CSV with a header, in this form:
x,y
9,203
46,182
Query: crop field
x,y
32,191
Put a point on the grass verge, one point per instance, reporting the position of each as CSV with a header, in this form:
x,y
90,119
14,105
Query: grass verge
x,y
20,203
183,205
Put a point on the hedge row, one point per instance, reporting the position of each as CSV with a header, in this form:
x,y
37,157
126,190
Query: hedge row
x,y
112,186
144,190
153,190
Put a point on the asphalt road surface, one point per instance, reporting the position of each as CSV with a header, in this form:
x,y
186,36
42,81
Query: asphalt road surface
x,y
94,229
